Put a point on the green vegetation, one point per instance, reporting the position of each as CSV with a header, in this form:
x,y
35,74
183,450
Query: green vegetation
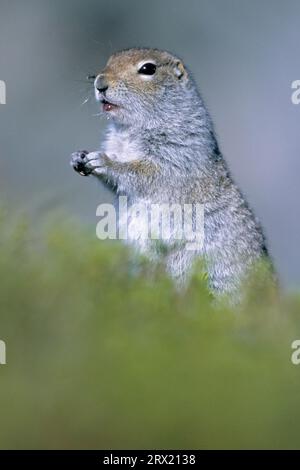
x,y
101,355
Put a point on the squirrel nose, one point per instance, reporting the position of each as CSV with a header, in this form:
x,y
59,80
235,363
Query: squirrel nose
x,y
101,84
103,89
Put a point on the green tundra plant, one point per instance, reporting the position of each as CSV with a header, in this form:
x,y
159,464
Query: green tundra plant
x,y
107,354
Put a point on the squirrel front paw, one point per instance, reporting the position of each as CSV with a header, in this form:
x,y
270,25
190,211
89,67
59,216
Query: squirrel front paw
x,y
86,163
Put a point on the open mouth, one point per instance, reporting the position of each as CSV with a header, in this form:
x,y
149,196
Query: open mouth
x,y
107,106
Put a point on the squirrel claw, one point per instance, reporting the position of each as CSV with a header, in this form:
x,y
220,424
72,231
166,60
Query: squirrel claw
x,y
78,162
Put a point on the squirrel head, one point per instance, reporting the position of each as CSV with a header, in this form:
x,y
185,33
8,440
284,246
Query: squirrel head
x,y
143,87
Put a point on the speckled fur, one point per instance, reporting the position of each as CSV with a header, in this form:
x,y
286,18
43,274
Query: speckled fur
x,y
161,148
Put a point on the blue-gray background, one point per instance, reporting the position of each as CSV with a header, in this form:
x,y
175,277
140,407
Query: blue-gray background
x,y
243,54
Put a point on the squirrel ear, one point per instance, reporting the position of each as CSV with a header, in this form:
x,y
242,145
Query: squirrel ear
x,y
179,70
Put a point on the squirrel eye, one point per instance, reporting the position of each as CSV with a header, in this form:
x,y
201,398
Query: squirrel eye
x,y
148,69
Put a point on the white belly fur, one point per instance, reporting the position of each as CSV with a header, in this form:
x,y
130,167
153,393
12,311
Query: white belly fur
x,y
119,147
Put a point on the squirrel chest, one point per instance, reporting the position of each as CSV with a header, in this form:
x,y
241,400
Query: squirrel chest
x,y
119,146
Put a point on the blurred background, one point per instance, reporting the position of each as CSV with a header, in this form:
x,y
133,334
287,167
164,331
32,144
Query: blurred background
x,y
242,53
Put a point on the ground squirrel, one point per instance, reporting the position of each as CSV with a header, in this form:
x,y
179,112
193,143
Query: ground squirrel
x,y
161,148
